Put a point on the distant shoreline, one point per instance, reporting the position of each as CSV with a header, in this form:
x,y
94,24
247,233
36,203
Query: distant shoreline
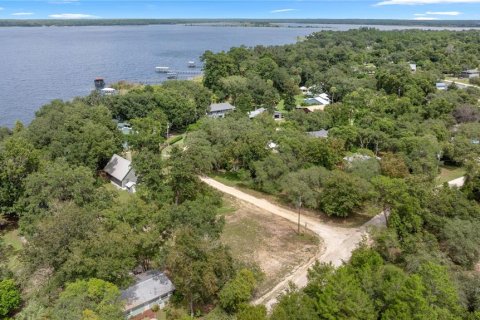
x,y
298,23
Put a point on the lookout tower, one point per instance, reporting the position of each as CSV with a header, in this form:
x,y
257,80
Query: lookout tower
x,y
99,83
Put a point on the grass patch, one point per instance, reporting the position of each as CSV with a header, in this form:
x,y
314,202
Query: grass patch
x,y
123,195
172,141
448,173
12,241
12,238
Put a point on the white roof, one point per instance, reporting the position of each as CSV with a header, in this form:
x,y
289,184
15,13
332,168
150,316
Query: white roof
x,y
118,167
254,113
130,184
322,100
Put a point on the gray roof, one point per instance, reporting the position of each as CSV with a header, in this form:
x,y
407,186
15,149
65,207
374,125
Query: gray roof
x,y
118,167
149,286
471,71
254,113
319,134
224,106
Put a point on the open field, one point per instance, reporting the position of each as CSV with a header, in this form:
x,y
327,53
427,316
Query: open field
x,y
269,241
448,173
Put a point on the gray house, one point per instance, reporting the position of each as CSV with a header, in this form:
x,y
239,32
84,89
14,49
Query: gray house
x,y
151,288
219,110
121,173
319,134
469,74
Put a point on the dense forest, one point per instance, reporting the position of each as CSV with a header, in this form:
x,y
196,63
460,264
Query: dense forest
x,y
391,134
240,22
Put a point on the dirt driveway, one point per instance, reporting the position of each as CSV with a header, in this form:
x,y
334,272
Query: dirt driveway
x,y
338,242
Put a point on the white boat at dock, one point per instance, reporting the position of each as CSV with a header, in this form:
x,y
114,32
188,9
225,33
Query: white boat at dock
x,y
191,64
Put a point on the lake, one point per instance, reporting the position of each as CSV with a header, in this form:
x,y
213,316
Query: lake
x,y
40,64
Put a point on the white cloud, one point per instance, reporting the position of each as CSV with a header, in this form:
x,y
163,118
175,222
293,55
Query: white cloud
x,y
64,2
425,18
1,8
282,10
72,16
22,14
420,2
444,13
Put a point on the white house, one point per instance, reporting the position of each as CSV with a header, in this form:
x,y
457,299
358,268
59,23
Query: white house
x,y
121,173
151,288
322,99
219,110
469,74
441,86
413,67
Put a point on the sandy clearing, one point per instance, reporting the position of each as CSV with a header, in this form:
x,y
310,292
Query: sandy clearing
x,y
338,242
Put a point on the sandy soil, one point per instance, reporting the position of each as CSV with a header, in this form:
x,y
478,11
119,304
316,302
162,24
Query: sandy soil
x,y
269,241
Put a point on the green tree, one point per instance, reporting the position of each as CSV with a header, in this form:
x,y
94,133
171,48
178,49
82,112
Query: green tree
x,y
343,194
9,297
237,291
199,267
18,159
89,299
249,312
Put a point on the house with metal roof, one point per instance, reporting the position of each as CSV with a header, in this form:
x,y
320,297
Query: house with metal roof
x,y
219,110
322,99
469,74
121,173
255,113
441,86
150,288
318,134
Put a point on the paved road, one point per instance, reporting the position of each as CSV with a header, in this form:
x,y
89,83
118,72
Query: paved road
x,y
338,242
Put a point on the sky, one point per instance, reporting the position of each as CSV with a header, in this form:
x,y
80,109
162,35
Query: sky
x,y
271,9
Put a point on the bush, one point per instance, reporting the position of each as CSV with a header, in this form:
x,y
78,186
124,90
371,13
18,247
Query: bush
x,y
237,291
9,297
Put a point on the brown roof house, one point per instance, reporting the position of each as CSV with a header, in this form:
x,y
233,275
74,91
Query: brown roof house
x,y
121,173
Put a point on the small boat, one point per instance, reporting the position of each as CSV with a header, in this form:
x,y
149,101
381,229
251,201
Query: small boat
x,y
172,75
191,64
162,69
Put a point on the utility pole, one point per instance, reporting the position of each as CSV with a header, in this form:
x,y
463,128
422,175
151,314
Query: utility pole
x,y
299,205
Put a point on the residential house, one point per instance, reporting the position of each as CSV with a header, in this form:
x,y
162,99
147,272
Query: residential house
x,y
277,115
322,99
441,86
219,110
121,173
151,288
255,113
413,67
469,74
319,134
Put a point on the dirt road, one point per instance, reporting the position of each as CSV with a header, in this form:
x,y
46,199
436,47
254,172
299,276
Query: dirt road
x,y
338,242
